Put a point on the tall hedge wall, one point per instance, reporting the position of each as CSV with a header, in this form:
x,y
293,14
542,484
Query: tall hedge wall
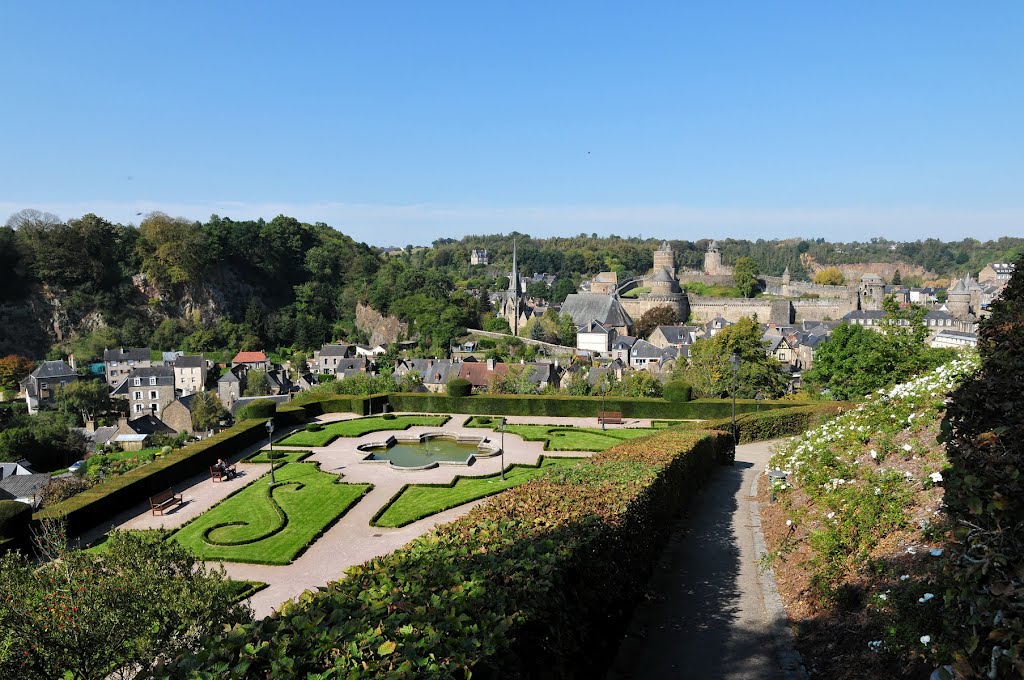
x,y
772,424
544,405
103,502
539,582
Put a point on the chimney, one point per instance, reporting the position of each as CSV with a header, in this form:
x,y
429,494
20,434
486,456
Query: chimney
x,y
490,364
90,426
122,423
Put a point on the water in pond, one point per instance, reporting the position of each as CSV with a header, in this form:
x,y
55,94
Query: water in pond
x,y
414,454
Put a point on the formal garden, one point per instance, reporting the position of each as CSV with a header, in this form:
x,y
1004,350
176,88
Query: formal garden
x,y
564,437
317,435
266,523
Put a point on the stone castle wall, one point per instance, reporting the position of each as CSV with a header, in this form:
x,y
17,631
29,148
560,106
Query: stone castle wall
x,y
637,307
706,279
822,309
734,309
773,286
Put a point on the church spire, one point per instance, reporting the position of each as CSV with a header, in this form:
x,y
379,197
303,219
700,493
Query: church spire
x,y
513,279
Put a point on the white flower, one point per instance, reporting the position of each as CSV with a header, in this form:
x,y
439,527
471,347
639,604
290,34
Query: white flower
x,y
904,577
874,454
789,522
925,598
878,491
875,645
907,447
911,551
925,639
883,596
935,552
830,515
936,477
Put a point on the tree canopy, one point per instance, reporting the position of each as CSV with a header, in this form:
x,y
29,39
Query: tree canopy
x,y
710,373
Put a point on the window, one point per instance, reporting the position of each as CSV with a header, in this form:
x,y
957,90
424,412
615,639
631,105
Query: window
x,y
138,396
42,386
137,381
155,408
138,408
153,394
152,381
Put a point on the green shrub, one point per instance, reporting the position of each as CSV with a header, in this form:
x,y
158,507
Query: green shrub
x,y
388,416
773,424
539,582
677,390
459,387
14,519
314,427
484,420
261,408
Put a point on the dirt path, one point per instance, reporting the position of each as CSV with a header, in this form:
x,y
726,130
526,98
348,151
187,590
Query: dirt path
x,y
708,617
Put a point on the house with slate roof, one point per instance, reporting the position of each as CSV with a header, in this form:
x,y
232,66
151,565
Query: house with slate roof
x,y
148,390
42,384
673,336
585,308
190,374
231,385
25,488
595,337
119,362
645,356
956,339
435,373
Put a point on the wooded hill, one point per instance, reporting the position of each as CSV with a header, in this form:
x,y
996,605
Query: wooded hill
x,y
84,284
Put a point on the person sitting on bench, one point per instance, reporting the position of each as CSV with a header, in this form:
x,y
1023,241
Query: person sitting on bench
x,y
227,470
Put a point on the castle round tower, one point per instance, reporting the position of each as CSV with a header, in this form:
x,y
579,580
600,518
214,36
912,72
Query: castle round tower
x,y
664,258
713,259
958,300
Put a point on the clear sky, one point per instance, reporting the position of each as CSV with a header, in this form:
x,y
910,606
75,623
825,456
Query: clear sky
x,y
407,121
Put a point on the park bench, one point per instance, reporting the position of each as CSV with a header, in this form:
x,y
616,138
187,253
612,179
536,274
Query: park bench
x,y
610,417
216,473
164,500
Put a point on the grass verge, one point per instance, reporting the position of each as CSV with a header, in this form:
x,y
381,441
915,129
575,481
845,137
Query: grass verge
x,y
415,501
562,438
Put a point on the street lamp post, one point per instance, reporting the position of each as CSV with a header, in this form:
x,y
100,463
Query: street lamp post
x,y
734,362
502,423
270,434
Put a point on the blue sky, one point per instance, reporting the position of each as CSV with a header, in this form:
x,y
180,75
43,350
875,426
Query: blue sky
x,y
404,122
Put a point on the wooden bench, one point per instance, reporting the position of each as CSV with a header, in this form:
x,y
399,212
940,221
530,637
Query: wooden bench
x,y
216,474
164,500
612,417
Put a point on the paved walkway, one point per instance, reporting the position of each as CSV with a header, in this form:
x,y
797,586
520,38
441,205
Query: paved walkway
x,y
708,618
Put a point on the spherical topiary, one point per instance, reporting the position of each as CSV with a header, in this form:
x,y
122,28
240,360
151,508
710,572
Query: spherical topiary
x,y
677,390
14,519
459,387
483,420
261,408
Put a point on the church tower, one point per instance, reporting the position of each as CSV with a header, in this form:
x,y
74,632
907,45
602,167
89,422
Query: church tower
x,y
512,307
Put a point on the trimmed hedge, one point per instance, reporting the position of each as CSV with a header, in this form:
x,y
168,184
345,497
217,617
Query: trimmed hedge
x,y
539,582
15,518
586,407
104,501
759,426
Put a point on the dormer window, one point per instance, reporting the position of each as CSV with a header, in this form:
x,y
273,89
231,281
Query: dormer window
x,y
137,381
152,381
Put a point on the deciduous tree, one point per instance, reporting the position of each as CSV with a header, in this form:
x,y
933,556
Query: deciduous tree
x,y
657,316
829,276
745,273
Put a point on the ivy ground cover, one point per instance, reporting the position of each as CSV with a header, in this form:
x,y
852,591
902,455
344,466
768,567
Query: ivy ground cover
x,y
359,427
562,438
416,501
271,524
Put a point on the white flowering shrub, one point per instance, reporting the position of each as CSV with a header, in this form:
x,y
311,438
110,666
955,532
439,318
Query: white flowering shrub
x,y
853,491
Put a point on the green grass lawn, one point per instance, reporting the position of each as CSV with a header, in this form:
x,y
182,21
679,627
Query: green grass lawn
x,y
357,428
636,292
563,438
283,456
416,501
264,525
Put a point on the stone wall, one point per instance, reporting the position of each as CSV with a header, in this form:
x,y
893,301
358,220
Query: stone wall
x,y
383,330
706,279
773,286
704,309
822,310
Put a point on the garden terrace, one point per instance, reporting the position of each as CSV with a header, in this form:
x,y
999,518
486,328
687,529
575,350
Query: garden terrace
x,y
271,524
562,438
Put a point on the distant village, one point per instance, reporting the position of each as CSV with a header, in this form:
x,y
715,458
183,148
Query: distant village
x,y
795,317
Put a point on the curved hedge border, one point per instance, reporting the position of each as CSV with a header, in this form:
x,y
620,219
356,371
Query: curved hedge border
x,y
282,518
451,485
538,582
759,426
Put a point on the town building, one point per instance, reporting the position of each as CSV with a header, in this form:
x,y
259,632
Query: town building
x,y
148,390
117,363
42,385
478,256
190,374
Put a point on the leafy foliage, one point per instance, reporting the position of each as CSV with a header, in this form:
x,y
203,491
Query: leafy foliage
x,y
459,387
85,615
677,390
710,373
652,318
829,276
985,495
207,411
745,273
13,368
44,439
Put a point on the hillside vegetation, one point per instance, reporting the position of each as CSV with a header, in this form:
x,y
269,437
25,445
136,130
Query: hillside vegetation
x,y
858,533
